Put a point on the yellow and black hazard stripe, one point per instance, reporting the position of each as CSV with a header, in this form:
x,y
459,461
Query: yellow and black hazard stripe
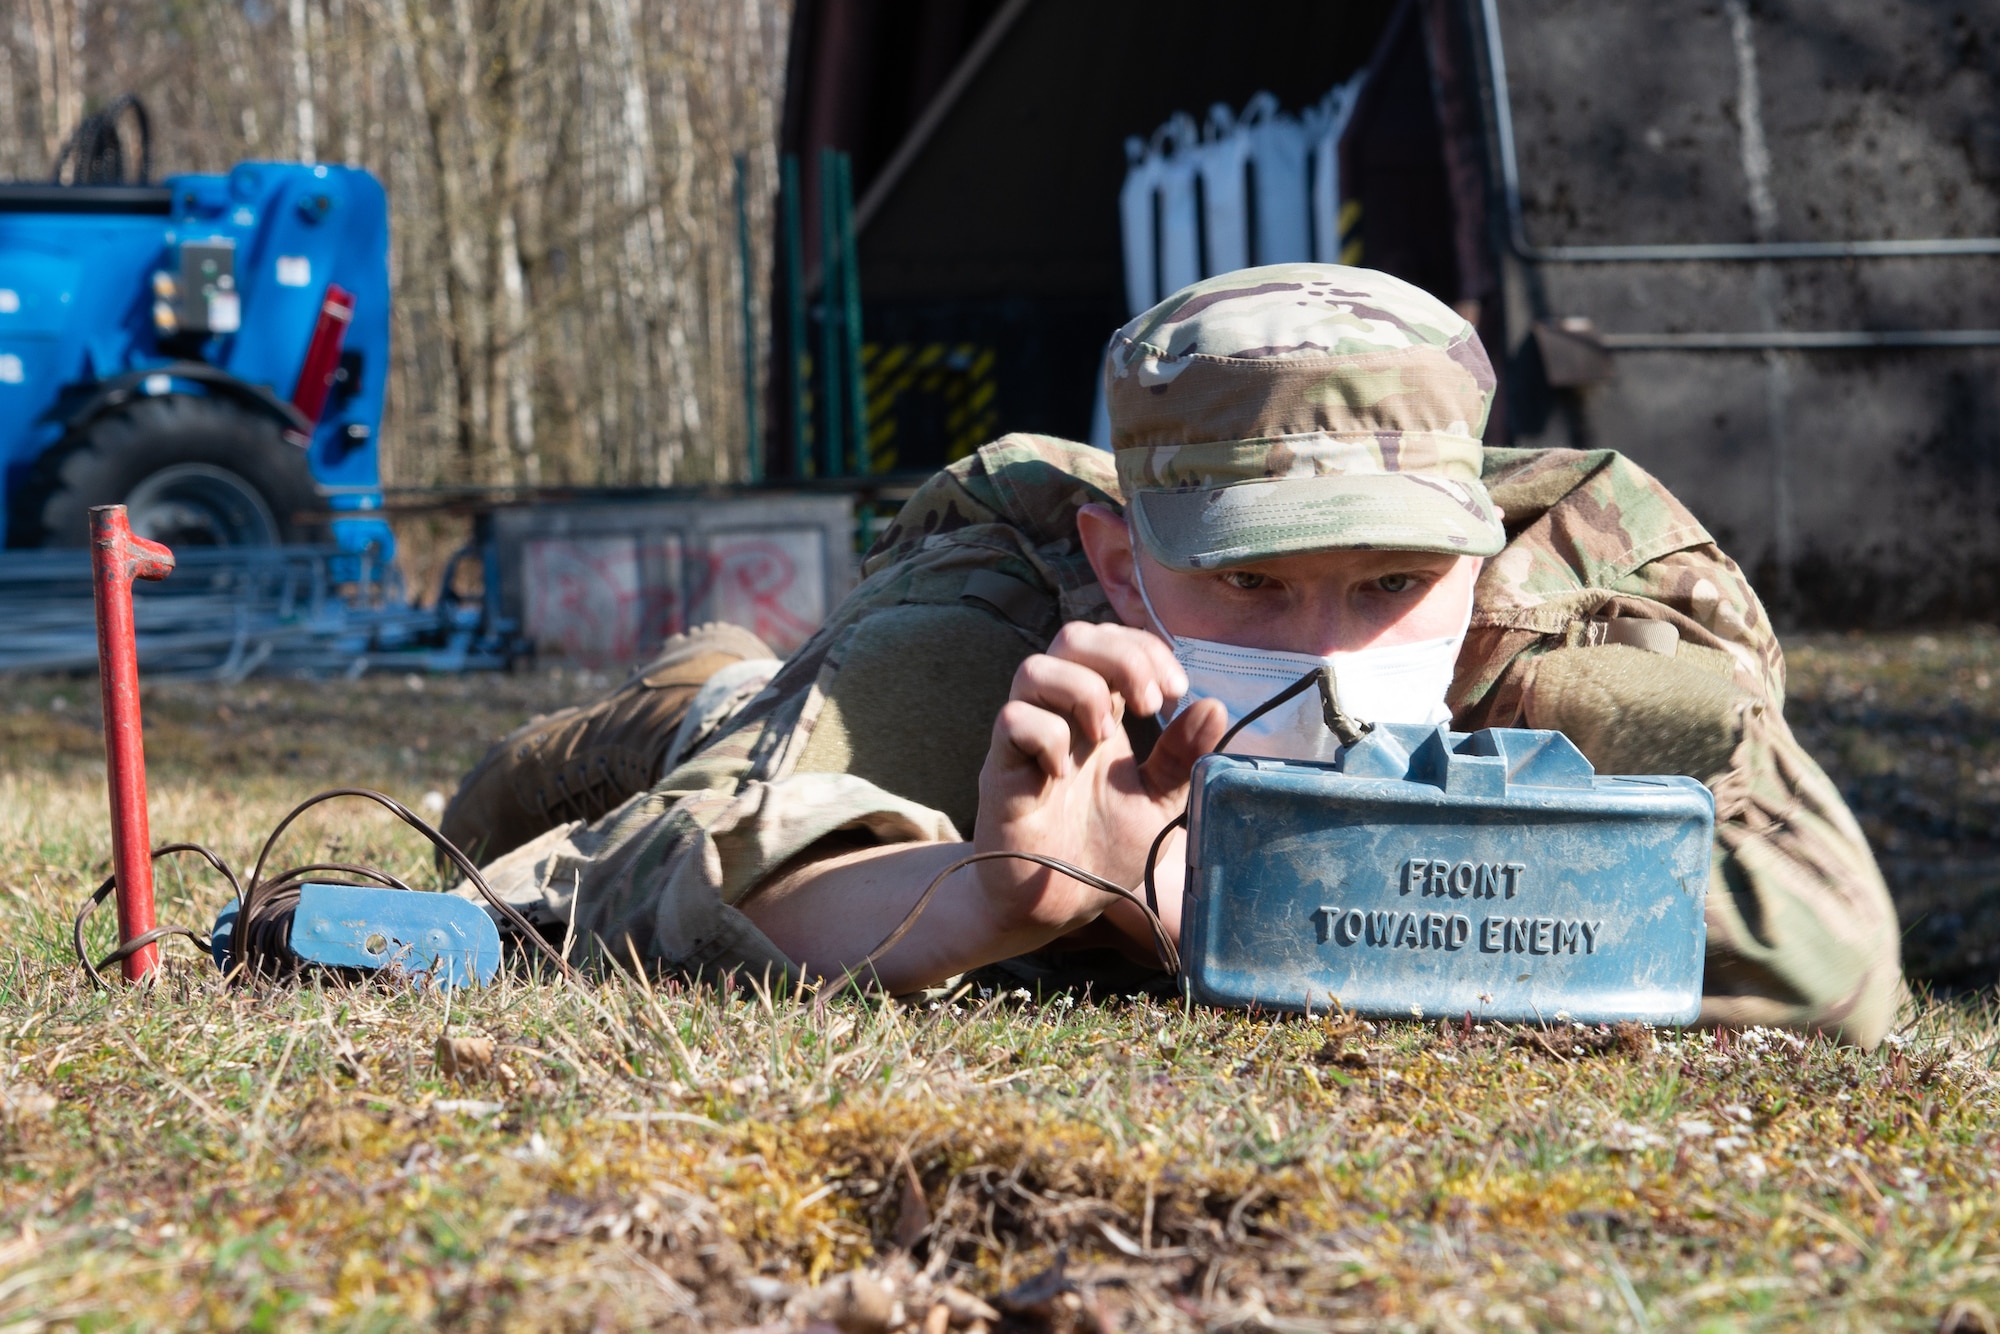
x,y
960,374
1350,231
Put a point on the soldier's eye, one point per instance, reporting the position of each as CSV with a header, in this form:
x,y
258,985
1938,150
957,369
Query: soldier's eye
x,y
1245,579
1396,583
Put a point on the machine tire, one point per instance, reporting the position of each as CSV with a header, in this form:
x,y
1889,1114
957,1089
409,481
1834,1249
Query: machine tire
x,y
197,471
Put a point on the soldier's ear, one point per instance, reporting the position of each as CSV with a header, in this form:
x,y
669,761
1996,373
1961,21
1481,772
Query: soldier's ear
x,y
1107,544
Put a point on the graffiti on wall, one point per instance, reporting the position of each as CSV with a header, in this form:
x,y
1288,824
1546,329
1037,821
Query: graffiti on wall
x,y
612,599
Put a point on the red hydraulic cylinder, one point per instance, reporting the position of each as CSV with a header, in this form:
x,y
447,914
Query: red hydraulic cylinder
x,y
322,362
116,559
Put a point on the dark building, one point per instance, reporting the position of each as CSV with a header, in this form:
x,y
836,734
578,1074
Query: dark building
x,y
1644,208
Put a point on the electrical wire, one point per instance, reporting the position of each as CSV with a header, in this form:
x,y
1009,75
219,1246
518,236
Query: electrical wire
x,y
1344,727
139,942
258,942
1153,857
1162,939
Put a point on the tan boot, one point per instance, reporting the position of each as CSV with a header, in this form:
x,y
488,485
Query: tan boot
x,y
583,761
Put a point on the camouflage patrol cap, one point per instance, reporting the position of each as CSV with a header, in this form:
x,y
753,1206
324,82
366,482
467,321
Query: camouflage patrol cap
x,y
1297,408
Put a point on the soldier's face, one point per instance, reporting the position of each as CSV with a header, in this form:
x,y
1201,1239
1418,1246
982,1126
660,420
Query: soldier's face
x,y
1327,602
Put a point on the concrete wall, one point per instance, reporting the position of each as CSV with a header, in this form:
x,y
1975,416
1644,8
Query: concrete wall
x,y
603,583
1856,486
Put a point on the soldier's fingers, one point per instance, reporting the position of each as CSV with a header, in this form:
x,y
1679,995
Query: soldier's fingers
x,y
1137,663
1071,689
1025,736
1187,739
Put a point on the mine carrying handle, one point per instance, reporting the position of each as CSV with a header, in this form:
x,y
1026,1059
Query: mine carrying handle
x,y
1346,728
117,557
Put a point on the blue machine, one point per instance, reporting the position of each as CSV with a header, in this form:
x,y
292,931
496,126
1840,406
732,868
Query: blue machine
x,y
1437,874
152,341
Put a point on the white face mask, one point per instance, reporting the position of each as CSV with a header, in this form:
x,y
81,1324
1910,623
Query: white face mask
x,y
1398,683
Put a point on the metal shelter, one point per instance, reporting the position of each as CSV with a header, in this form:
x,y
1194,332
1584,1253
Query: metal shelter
x,y
1755,248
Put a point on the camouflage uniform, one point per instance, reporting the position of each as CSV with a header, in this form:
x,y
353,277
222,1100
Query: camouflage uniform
x,y
1608,612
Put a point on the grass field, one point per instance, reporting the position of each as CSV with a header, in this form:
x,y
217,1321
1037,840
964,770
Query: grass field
x,y
196,1156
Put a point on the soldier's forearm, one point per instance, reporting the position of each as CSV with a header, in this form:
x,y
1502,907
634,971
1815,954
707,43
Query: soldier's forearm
x,y
830,913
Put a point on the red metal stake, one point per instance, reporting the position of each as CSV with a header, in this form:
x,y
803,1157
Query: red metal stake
x,y
116,559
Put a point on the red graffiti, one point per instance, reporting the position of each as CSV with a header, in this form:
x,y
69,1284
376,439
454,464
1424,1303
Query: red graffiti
x,y
614,599
590,598
747,582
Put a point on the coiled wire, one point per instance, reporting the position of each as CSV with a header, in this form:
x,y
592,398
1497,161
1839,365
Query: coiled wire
x,y
259,944
259,941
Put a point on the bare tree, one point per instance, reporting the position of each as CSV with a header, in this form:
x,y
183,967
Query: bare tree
x,y
561,176
57,27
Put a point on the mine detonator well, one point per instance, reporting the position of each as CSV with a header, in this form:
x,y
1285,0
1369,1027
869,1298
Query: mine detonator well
x,y
1437,873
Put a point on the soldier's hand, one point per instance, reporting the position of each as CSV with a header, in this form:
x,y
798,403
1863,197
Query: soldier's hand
x,y
1060,777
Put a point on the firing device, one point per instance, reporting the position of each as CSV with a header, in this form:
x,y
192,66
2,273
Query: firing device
x,y
314,915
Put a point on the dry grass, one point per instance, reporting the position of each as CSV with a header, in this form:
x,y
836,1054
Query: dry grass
x,y
1910,726
196,1156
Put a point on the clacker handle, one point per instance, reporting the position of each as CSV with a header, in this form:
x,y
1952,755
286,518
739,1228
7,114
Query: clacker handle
x,y
117,557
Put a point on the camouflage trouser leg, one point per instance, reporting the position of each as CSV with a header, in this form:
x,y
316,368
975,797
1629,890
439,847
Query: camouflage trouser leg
x,y
582,762
1801,931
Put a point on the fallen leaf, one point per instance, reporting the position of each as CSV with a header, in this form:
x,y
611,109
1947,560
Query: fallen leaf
x,y
913,1211
25,1104
467,1058
964,1307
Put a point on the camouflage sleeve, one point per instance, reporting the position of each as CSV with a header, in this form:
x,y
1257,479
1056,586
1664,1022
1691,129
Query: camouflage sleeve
x,y
661,877
658,880
1801,930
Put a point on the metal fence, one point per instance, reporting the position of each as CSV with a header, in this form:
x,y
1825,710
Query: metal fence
x,y
228,612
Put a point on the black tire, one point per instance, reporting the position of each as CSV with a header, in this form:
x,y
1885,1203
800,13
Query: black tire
x,y
196,472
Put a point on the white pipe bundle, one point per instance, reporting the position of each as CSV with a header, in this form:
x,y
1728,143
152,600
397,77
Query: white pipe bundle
x,y
1260,187
1180,148
1278,151
1328,125
1225,193
1135,219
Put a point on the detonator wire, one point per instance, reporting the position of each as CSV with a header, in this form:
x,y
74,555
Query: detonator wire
x,y
1345,728
264,908
139,942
